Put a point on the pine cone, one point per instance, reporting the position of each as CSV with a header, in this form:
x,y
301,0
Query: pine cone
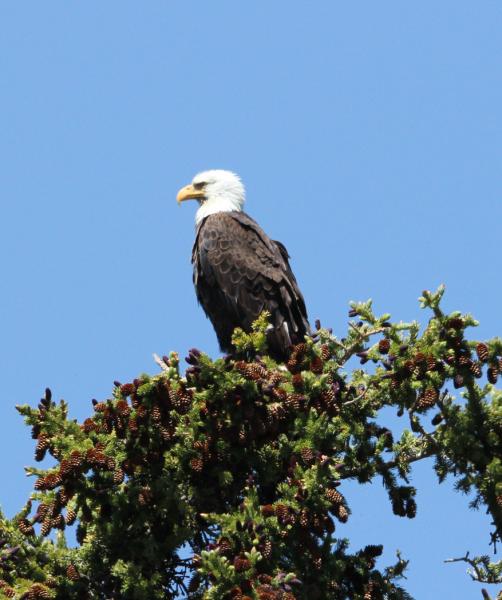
x,y
25,527
197,464
431,363
329,524
419,358
300,349
428,399
294,401
281,511
71,516
368,591
156,413
455,323
482,351
41,512
334,496
325,352
43,444
492,374
37,590
476,369
65,467
304,518
458,381
297,381
76,459
241,563
72,573
307,455
133,425
59,522
411,509
266,549
127,389
268,510
89,425
437,419
316,365
464,360
342,514
46,527
123,408
384,346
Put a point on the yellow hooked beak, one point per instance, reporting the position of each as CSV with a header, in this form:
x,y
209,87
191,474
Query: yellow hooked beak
x,y
189,193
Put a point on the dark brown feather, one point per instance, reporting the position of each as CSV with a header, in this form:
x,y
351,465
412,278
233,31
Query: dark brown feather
x,y
238,273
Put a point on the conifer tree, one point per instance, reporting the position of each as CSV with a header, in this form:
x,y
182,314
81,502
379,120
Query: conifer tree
x,y
226,480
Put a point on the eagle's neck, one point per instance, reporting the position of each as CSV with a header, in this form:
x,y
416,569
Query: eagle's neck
x,y
222,203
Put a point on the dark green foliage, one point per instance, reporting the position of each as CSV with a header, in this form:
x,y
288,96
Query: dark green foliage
x,y
228,481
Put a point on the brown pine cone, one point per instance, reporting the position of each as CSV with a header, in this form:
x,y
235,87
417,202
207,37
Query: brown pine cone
x,y
25,527
281,511
476,369
455,323
431,363
268,510
482,351
76,459
342,514
325,352
241,563
71,516
37,590
492,374
316,365
123,408
72,573
384,346
307,455
297,381
458,381
266,549
46,527
334,496
304,518
197,464
294,401
428,399
127,389
89,425
43,444
419,358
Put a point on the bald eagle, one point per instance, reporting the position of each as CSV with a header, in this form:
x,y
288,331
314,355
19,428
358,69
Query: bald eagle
x,y
238,271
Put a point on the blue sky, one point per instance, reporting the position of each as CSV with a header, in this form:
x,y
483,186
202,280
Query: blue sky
x,y
368,136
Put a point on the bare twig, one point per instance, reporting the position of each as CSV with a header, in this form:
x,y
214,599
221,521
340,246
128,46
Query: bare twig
x,y
482,575
160,362
362,336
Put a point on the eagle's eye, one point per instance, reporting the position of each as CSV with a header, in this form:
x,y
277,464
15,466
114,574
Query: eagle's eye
x,y
200,185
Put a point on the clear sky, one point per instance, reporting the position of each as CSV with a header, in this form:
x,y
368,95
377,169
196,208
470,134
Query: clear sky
x,y
368,135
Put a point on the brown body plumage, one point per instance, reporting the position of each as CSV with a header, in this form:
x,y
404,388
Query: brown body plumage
x,y
239,272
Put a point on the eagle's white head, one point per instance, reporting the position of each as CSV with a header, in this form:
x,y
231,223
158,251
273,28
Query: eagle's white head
x,y
215,191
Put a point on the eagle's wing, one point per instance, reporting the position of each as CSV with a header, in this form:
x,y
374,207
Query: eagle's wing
x,y
239,272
